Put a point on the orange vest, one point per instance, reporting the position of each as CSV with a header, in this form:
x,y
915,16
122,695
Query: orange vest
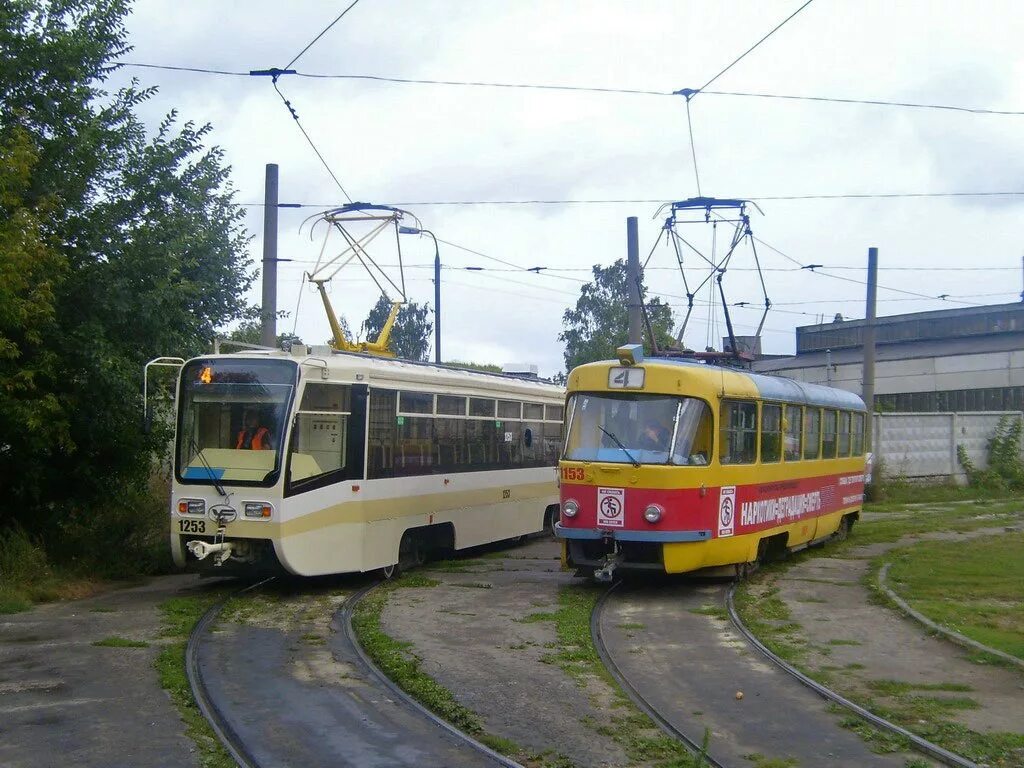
x,y
257,440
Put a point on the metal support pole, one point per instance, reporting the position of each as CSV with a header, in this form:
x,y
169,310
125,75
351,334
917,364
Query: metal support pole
x,y
633,281
868,391
268,310
437,302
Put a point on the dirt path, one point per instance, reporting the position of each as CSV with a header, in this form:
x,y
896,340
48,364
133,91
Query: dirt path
x,y
66,701
475,638
869,648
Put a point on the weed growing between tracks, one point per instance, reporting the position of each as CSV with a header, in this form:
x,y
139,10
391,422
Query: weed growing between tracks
x,y
403,667
180,614
905,704
576,655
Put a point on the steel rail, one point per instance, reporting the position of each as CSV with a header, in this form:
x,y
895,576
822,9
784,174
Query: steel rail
x,y
946,632
232,742
635,696
346,612
922,745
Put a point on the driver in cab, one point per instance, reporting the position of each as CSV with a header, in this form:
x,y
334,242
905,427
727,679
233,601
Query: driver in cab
x,y
253,435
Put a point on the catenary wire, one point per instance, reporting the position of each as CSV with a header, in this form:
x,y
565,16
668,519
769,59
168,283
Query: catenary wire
x,y
589,89
743,55
295,116
323,32
662,200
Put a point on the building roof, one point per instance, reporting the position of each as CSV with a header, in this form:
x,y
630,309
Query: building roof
x,y
942,324
909,350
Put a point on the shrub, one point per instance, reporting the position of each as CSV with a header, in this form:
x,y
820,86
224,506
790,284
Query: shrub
x,y
1005,469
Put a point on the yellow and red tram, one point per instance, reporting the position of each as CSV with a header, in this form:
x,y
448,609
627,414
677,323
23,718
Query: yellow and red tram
x,y
675,465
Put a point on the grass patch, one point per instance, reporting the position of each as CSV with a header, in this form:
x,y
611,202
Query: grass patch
x,y
472,584
903,520
768,617
844,642
954,568
629,625
456,566
179,616
716,611
120,642
976,589
758,760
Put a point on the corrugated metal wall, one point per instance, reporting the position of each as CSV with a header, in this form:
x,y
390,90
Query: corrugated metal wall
x,y
923,445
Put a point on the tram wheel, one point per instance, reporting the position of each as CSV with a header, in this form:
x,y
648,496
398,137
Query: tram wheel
x,y
411,552
843,530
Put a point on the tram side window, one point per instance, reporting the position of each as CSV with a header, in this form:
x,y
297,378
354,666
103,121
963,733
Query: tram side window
x,y
828,435
844,433
414,453
812,433
738,438
383,433
321,443
771,433
858,434
553,438
794,432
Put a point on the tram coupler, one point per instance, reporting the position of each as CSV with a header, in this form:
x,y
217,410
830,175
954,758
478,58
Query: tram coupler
x,y
220,551
606,572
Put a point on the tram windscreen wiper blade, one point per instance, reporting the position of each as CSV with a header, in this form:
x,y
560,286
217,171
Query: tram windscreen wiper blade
x,y
207,467
618,442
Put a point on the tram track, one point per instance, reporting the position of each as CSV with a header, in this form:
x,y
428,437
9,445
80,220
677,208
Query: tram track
x,y
370,709
634,694
207,704
922,745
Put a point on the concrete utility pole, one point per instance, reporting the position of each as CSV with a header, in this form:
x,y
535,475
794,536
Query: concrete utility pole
x,y
268,311
633,281
868,392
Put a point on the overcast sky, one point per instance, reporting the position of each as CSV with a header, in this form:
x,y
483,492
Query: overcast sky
x,y
401,143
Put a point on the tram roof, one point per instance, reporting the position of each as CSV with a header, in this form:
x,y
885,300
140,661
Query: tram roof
x,y
779,387
411,372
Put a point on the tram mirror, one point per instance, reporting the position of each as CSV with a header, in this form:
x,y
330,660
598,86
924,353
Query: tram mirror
x,y
527,437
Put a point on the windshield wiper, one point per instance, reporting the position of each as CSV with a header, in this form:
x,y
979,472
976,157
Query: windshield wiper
x,y
618,442
207,467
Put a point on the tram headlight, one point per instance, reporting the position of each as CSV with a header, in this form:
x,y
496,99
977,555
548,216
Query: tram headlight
x,y
570,509
259,509
653,513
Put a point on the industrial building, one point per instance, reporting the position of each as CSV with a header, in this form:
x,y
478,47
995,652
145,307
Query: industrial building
x,y
950,360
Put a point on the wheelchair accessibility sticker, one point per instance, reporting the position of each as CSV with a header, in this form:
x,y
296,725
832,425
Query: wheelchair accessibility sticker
x,y
611,503
726,510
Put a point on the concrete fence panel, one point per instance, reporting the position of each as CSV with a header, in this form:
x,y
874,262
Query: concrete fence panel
x,y
924,445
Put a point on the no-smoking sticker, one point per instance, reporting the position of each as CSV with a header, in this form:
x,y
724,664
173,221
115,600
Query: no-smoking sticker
x,y
611,505
726,510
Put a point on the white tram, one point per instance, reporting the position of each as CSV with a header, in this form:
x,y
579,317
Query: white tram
x,y
345,462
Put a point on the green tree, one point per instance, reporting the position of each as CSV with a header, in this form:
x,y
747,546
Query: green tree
x,y
250,330
486,367
410,337
116,247
600,321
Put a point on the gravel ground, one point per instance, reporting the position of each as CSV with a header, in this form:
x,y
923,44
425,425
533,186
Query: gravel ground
x,y
65,701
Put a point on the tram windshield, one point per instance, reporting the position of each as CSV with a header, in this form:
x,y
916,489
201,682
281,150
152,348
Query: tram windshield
x,y
231,421
638,429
